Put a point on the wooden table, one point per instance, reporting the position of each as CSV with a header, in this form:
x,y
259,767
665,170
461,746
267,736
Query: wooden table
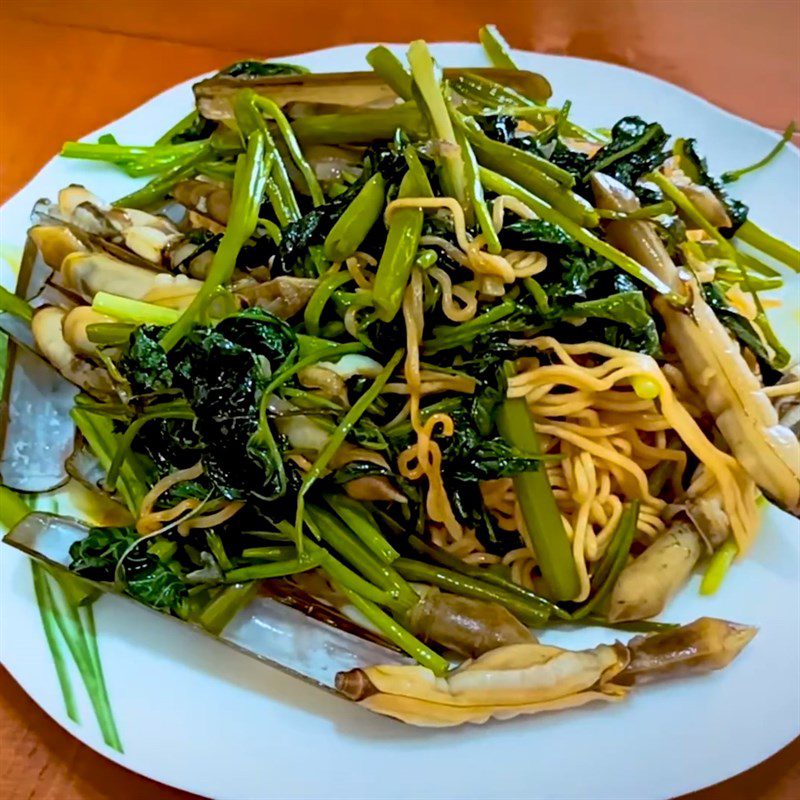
x,y
70,66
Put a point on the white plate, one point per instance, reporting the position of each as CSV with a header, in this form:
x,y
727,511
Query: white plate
x,y
201,717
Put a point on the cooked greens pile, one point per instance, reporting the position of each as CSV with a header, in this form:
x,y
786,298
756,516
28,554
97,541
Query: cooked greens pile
x,y
253,401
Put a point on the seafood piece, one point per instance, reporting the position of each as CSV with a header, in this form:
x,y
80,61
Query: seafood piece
x,y
768,451
646,585
501,684
90,273
468,626
74,327
213,97
47,326
211,200
284,296
55,243
704,645
531,678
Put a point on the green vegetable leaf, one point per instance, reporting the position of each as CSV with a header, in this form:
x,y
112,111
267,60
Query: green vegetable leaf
x,y
96,556
696,168
631,310
636,148
221,372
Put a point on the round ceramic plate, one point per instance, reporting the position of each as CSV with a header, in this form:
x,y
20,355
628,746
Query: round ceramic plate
x,y
197,715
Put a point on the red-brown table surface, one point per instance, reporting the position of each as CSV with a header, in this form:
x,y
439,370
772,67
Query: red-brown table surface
x,y
68,67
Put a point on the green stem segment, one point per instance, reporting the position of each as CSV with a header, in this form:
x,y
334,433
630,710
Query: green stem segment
x,y
395,632
276,569
612,565
718,567
99,434
734,175
352,227
389,67
487,575
360,127
248,192
154,191
398,255
271,109
12,304
496,47
543,523
428,79
327,285
135,312
500,185
756,237
475,194
341,573
13,508
347,545
334,443
226,605
418,571
358,518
